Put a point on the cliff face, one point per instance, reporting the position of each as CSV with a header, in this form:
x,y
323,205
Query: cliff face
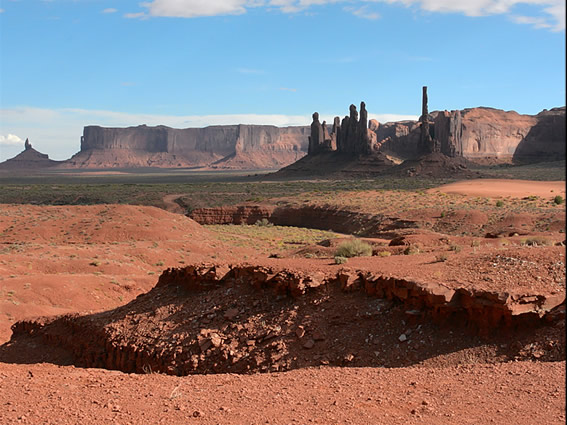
x,y
481,134
230,146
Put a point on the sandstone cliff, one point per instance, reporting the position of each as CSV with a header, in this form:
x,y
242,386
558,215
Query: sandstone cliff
x,y
230,146
480,135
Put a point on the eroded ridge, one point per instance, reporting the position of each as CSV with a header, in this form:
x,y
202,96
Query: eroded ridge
x,y
211,318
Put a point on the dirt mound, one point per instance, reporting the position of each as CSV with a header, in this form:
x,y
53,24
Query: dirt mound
x,y
434,165
212,319
93,223
337,165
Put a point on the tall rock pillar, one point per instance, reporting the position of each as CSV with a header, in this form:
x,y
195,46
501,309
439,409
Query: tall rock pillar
x,y
317,138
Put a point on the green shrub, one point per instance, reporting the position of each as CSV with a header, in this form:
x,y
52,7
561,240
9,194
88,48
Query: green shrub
x,y
340,260
455,248
558,200
264,222
353,248
499,203
384,253
441,258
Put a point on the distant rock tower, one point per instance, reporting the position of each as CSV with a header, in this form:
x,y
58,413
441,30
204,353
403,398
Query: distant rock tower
x,y
27,145
427,143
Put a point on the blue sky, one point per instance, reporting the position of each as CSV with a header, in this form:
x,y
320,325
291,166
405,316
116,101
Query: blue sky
x,y
187,63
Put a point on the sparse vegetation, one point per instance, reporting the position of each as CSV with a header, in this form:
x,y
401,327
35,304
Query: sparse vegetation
x,y
264,222
500,203
384,254
411,250
536,241
558,200
340,260
353,248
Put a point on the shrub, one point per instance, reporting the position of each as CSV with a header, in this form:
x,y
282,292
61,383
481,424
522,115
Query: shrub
x,y
536,241
264,222
499,203
340,260
558,200
384,253
455,248
412,249
353,248
442,258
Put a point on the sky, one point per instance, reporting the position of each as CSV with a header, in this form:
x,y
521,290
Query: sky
x,y
66,64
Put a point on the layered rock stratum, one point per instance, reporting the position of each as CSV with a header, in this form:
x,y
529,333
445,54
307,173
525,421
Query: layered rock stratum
x,y
229,146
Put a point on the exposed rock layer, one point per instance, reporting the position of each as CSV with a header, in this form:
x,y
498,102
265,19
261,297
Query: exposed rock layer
x,y
230,146
220,339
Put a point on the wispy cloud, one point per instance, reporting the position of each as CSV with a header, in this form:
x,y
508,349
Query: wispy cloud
x,y
110,10
1,10
547,13
127,84
288,89
362,12
252,71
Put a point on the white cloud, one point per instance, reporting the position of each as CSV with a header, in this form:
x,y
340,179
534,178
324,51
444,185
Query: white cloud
x,y
362,12
10,139
110,10
2,10
57,132
288,89
551,12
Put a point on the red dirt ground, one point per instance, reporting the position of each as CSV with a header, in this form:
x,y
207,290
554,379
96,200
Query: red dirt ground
x,y
56,260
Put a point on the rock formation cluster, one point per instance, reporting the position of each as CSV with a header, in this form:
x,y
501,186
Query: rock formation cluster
x,y
478,134
349,136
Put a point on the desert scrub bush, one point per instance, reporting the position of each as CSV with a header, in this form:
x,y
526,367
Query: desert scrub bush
x,y
353,248
384,254
558,200
441,258
455,248
340,260
411,250
536,241
264,222
499,203
95,263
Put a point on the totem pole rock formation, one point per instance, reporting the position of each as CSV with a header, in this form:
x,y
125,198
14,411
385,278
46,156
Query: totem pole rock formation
x,y
27,145
427,144
316,139
351,136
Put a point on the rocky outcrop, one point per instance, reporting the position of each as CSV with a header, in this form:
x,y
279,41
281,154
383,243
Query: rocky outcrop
x,y
205,318
28,159
230,146
545,140
477,134
351,136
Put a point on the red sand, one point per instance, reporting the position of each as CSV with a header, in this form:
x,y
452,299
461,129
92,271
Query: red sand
x,y
503,188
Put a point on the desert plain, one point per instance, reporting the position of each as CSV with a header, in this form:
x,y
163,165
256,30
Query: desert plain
x,y
229,301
